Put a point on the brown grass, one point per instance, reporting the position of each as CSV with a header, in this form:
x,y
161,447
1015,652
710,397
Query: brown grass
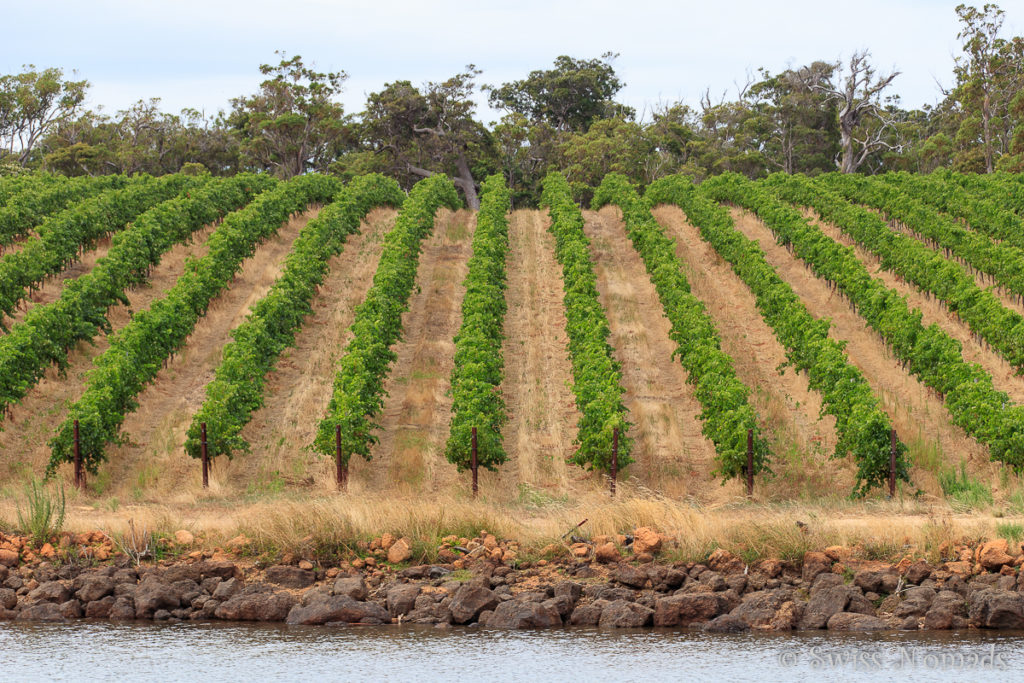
x,y
885,530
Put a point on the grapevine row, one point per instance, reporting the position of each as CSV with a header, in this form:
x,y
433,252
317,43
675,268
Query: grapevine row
x,y
479,366
927,352
138,351
987,317
984,208
358,394
30,206
998,189
61,238
596,374
11,186
1004,263
726,413
236,391
862,427
49,331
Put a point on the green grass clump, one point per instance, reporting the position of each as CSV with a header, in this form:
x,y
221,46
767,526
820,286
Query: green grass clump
x,y
962,490
44,517
1014,533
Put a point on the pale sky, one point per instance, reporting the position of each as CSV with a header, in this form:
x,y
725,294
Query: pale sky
x,y
202,53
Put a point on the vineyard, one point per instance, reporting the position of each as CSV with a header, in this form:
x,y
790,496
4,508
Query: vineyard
x,y
812,337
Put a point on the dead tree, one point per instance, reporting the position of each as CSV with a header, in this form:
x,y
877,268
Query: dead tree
x,y
858,97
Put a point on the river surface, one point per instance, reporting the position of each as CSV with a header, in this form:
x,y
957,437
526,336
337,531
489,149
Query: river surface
x,y
105,651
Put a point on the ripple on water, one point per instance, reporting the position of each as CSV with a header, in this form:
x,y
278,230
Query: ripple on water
x,y
86,651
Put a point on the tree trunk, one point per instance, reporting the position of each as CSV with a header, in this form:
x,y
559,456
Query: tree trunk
x,y
467,184
846,138
986,129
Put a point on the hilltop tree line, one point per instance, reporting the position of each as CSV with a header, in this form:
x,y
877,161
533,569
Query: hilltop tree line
x,y
824,116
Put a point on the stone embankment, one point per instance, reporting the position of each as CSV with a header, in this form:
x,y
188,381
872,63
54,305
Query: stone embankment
x,y
607,582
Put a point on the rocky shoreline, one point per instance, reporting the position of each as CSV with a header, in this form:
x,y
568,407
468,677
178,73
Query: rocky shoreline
x,y
607,582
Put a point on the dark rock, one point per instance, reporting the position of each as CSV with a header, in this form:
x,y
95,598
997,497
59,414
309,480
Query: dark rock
x,y
14,582
182,572
317,594
402,598
71,609
589,614
337,608
427,611
938,618
532,596
916,602
625,614
918,572
569,589
187,590
469,601
882,581
208,610
95,588
1006,583
51,591
210,583
759,609
846,621
726,623
99,609
153,594
737,583
628,575
222,569
515,615
225,588
685,609
824,581
122,609
43,611
951,601
255,606
125,576
562,604
8,598
714,581
161,615
824,603
859,604
611,594
352,586
125,589
290,577
993,608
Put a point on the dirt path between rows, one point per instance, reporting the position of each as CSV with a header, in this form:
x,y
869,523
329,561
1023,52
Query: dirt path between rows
x,y
299,388
934,311
417,410
918,415
672,455
23,442
153,462
786,406
538,373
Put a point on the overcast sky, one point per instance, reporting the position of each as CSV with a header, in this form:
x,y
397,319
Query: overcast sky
x,y
202,53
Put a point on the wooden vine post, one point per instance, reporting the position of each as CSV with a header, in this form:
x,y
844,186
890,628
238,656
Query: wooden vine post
x,y
615,459
473,461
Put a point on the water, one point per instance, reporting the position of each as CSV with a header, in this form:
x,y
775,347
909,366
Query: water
x,y
104,651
